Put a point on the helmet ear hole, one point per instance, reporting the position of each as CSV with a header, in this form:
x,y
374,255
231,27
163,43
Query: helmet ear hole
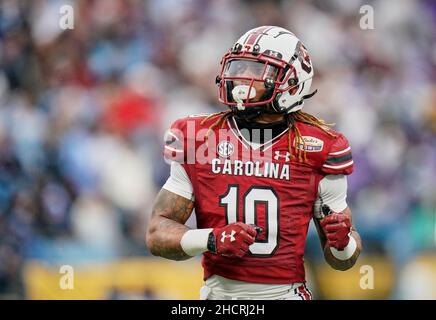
x,y
276,104
292,82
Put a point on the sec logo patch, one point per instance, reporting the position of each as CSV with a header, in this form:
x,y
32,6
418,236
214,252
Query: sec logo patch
x,y
225,149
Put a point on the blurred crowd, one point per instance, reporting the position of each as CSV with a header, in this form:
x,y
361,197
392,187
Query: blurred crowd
x,y
83,112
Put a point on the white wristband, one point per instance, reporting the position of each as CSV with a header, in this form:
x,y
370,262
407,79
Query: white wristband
x,y
348,251
194,242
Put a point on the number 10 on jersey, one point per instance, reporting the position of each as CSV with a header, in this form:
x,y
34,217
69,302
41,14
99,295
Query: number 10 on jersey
x,y
254,196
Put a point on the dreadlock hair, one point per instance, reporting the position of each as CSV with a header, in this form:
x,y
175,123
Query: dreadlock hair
x,y
220,118
297,116
300,144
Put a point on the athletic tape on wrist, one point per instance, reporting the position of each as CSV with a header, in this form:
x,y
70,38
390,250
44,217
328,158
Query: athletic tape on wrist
x,y
194,242
348,251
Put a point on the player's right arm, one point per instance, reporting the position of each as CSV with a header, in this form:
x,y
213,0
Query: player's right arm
x,y
174,203
167,225
167,235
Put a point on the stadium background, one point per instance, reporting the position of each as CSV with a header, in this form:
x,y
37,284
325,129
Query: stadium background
x,y
83,111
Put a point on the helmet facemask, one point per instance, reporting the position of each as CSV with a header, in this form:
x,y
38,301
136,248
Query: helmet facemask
x,y
267,71
249,81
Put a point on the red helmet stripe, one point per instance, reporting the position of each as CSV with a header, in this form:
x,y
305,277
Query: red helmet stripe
x,y
257,34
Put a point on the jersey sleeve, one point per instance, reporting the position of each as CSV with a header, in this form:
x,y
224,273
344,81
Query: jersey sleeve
x,y
179,182
339,159
332,191
175,142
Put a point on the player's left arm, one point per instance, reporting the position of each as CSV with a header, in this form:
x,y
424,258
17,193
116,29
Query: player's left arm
x,y
339,239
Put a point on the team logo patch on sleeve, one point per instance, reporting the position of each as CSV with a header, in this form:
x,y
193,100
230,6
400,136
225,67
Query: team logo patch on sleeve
x,y
311,144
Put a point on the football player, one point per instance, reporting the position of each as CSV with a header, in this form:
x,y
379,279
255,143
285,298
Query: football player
x,y
266,170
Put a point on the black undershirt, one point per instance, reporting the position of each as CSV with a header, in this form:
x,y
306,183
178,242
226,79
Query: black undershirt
x,y
261,132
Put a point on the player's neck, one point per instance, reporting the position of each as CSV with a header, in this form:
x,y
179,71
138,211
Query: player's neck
x,y
270,126
269,118
265,121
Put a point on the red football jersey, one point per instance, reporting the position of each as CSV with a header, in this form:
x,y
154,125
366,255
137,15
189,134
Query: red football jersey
x,y
234,181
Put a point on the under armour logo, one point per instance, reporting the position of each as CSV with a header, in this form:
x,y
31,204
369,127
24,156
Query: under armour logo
x,y
287,156
231,236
